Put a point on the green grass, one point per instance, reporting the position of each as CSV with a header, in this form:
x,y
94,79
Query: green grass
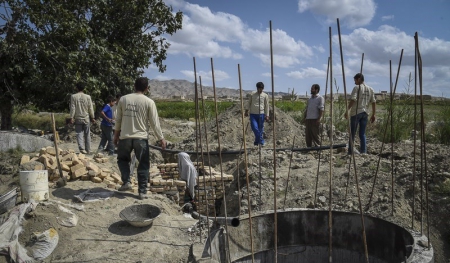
x,y
38,121
186,110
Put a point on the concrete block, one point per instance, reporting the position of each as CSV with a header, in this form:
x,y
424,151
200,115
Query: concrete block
x,y
24,159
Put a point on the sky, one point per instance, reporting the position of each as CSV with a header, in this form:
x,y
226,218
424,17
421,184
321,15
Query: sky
x,y
372,32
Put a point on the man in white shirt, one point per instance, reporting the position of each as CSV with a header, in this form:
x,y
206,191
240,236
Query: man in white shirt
x,y
361,96
136,114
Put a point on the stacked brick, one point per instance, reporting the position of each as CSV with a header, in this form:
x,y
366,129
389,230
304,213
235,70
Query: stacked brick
x,y
210,190
74,167
166,180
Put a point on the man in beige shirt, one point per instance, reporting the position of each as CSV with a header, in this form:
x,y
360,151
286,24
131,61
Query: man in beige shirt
x,y
136,114
80,110
362,96
258,106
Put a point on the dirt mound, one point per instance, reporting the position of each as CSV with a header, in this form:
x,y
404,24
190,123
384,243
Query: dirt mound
x,y
231,132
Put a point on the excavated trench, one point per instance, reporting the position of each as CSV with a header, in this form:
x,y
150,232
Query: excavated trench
x,y
303,236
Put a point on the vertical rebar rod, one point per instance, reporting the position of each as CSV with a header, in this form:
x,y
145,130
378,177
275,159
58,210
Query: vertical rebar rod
x,y
423,138
330,203
289,172
204,177
384,135
275,234
207,149
238,165
220,160
366,251
196,133
321,136
246,166
391,110
415,138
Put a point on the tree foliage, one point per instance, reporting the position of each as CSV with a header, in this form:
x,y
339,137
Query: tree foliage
x,y
46,46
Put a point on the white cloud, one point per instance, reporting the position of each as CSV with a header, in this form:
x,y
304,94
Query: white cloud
x,y
308,72
386,18
207,34
352,13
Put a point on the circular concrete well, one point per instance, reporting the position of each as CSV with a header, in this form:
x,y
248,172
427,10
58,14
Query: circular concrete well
x,y
303,236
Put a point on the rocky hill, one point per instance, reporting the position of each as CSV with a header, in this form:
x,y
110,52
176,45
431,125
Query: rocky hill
x,y
178,87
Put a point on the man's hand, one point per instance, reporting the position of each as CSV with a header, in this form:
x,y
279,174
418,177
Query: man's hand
x,y
267,118
72,121
163,144
372,119
93,120
246,113
346,115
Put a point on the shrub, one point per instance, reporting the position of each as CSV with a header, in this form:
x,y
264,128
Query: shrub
x,y
186,110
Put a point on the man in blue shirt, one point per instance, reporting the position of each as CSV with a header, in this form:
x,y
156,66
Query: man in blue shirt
x,y
107,125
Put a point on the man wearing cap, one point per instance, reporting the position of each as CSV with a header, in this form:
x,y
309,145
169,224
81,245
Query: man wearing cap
x,y
361,96
258,106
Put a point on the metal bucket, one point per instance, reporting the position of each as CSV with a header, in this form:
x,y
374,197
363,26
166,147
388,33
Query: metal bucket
x,y
34,185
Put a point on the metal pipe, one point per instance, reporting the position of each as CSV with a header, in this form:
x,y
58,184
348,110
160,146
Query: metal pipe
x,y
229,221
320,148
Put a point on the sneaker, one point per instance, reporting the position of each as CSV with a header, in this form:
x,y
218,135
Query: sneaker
x,y
143,196
83,152
125,187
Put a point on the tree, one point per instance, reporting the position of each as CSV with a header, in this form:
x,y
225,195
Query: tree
x,y
46,46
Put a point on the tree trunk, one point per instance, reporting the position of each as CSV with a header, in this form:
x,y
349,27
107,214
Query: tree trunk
x,y
6,111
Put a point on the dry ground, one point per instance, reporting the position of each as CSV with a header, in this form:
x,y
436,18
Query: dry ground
x,y
101,236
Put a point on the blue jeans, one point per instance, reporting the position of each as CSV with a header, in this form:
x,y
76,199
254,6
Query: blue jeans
x,y
141,150
361,120
107,136
257,124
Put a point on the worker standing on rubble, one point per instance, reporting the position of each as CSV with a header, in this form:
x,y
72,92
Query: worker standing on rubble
x,y
136,113
258,106
80,110
361,96
313,113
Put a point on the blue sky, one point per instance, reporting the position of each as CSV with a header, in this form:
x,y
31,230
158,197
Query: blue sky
x,y
237,32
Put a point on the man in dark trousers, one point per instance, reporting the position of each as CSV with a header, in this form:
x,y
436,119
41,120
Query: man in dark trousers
x,y
313,115
80,110
136,114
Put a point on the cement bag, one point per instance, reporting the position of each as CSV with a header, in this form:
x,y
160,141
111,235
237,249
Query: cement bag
x,y
70,220
44,243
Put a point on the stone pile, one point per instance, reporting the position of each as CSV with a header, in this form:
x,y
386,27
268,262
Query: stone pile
x,y
73,166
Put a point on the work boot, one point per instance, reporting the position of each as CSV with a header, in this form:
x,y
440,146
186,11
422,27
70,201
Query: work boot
x,y
143,196
125,187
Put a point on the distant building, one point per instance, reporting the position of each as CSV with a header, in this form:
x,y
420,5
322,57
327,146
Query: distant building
x,y
178,97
